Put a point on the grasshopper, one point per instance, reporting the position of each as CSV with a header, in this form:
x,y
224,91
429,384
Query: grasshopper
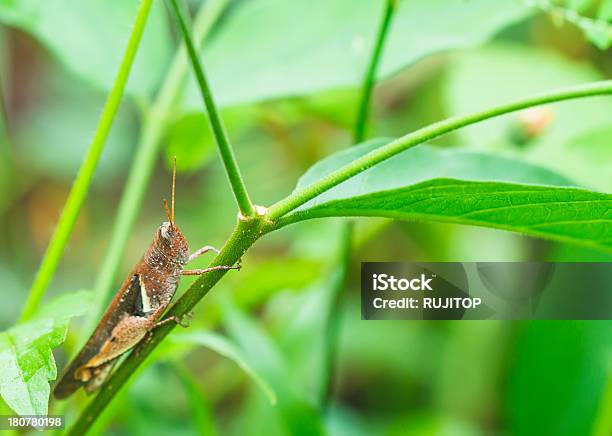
x,y
137,307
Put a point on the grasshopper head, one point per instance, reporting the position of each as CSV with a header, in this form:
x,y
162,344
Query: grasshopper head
x,y
171,242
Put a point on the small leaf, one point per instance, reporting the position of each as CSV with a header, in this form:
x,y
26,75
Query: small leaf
x,y
226,348
25,354
461,187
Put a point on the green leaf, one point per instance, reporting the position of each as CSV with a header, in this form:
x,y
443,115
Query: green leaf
x,y
462,187
290,50
25,354
88,37
559,377
299,417
226,348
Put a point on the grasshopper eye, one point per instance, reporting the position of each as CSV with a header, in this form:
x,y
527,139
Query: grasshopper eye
x,y
164,231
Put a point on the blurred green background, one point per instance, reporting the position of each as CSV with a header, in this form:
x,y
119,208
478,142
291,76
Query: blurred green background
x,y
286,74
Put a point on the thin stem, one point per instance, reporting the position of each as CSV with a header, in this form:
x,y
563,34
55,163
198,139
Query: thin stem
x,y
243,236
333,317
370,77
82,182
435,130
144,161
225,149
5,155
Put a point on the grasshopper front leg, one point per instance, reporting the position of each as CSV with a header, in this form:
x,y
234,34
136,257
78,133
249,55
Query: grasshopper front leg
x,y
198,253
197,272
202,251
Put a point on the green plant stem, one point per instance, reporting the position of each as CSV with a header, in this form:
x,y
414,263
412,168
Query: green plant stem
x,y
83,180
333,317
244,235
361,121
339,284
225,149
298,198
5,155
154,125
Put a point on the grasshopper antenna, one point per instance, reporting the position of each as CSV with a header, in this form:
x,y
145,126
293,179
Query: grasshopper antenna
x,y
167,211
170,214
173,190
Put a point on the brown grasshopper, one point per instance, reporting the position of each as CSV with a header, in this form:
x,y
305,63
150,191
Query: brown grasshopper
x,y
137,307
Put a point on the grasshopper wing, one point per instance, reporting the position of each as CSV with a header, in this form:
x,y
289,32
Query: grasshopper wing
x,y
126,302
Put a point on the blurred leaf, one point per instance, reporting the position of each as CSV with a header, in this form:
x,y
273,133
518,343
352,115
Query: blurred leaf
x,y
596,29
598,32
230,350
420,164
461,187
579,5
273,275
559,377
25,354
52,137
603,422
432,424
89,36
564,144
12,297
273,48
263,354
467,386
191,141
200,409
156,405
605,10
302,337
